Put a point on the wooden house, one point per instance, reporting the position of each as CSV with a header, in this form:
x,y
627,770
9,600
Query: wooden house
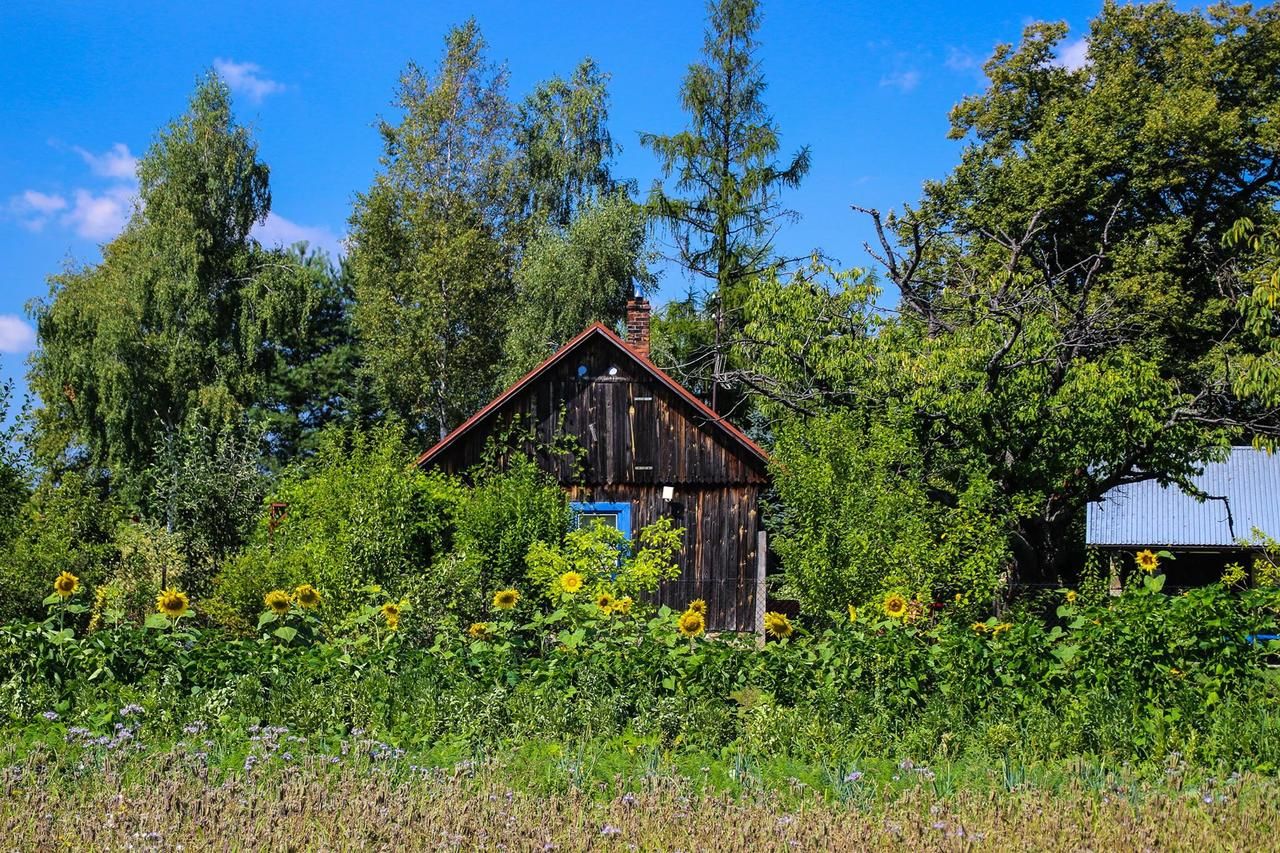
x,y
647,448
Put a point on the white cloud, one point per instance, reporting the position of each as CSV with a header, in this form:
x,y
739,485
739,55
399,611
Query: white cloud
x,y
961,60
245,78
16,335
34,209
118,162
903,81
1074,55
278,231
100,216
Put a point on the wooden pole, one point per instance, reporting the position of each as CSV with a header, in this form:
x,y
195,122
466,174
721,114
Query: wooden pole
x,y
762,562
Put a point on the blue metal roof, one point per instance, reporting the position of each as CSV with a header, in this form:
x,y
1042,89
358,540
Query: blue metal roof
x,y
1148,514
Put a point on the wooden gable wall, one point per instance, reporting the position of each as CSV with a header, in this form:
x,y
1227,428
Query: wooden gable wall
x,y
629,426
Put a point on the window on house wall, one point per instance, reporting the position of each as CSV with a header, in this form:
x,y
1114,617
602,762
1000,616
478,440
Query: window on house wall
x,y
612,514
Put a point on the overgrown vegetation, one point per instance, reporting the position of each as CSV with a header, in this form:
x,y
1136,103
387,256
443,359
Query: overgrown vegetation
x,y
210,522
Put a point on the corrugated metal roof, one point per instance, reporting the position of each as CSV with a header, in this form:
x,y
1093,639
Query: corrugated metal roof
x,y
1142,514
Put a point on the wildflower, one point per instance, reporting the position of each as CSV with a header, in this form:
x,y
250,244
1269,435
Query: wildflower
x,y
66,585
391,612
623,605
1148,561
979,627
853,613
478,630
1071,596
605,602
307,596
777,624
698,605
173,603
571,582
505,599
1175,672
895,606
51,716
692,623
278,600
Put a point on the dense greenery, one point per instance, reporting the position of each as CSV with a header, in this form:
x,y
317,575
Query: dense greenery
x,y
217,480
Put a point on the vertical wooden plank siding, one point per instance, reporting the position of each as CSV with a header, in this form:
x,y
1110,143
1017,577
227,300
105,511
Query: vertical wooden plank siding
x,y
637,436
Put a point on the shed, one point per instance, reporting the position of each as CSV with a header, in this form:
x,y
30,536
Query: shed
x,y
1204,535
648,448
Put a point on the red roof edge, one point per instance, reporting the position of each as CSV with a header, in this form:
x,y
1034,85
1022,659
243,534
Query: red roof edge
x,y
656,372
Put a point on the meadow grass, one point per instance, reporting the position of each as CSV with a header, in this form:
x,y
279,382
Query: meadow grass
x,y
548,797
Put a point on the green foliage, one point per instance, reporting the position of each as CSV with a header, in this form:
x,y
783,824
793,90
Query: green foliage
x,y
176,324
723,207
69,525
1143,677
570,278
606,559
315,379
427,247
857,518
355,515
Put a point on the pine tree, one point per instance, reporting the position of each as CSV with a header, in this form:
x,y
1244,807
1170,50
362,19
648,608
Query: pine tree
x,y
724,208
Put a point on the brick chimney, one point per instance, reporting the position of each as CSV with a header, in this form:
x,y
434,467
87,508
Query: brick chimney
x,y
638,325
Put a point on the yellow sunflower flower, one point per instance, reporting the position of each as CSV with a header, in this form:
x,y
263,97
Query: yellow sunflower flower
x,y
777,624
605,602
1148,561
478,630
692,623
505,599
979,627
853,613
66,585
623,605
173,603
391,613
895,605
1071,596
307,596
698,605
571,582
278,600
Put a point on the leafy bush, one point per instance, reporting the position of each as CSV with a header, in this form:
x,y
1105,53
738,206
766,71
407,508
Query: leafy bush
x,y
860,516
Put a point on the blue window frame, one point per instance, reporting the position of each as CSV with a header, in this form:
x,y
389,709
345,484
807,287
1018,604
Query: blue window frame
x,y
604,512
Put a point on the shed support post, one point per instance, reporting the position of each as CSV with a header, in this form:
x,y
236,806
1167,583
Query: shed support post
x,y
762,592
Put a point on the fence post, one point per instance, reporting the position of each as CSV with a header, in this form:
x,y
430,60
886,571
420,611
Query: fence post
x,y
762,592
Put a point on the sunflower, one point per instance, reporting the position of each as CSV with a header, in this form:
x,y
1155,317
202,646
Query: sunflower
x,y
172,603
478,630
571,582
692,623
698,605
853,613
979,627
505,599
623,605
307,596
895,605
66,585
1147,560
391,612
605,602
1071,596
278,600
1001,628
777,624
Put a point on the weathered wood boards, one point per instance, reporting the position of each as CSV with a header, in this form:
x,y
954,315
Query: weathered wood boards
x,y
636,433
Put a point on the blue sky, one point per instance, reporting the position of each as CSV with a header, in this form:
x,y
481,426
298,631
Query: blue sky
x,y
866,85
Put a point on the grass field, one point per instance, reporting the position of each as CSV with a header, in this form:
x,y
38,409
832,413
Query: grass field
x,y
165,801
